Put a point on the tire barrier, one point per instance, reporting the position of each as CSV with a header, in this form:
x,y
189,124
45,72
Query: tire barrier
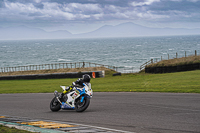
x,y
170,69
117,74
98,74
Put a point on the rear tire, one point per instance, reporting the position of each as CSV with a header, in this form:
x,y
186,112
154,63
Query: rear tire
x,y
80,107
55,105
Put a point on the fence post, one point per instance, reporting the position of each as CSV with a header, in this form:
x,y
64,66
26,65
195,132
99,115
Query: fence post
x,y
83,64
185,53
195,53
176,55
168,56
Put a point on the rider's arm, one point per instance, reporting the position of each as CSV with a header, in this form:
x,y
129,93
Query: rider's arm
x,y
78,82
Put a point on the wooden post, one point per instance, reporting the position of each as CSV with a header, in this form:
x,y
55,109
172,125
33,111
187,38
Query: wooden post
x,y
195,53
168,56
176,55
185,53
151,60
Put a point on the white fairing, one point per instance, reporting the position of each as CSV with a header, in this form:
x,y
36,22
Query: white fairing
x,y
89,90
63,87
71,98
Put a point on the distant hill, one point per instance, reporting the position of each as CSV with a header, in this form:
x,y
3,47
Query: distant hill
x,y
122,30
23,32
131,30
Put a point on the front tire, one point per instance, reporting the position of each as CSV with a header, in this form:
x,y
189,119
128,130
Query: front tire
x,y
82,106
55,105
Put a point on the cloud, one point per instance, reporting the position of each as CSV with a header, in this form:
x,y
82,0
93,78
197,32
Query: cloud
x,y
83,8
50,12
146,2
193,0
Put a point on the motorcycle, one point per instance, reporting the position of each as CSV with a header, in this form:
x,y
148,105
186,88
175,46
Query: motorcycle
x,y
74,98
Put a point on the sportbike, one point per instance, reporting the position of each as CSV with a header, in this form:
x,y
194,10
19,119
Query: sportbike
x,y
74,98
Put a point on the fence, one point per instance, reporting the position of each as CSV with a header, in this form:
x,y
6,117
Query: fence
x,y
160,59
55,66
80,65
148,62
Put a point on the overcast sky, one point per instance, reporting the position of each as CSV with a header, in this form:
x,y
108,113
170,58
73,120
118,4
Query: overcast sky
x,y
79,16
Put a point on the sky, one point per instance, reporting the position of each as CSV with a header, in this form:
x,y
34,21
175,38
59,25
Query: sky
x,y
79,16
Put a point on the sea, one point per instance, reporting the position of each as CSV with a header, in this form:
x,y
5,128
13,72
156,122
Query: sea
x,y
127,53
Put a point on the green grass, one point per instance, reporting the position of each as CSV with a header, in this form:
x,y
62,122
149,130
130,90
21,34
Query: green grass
x,y
180,82
4,129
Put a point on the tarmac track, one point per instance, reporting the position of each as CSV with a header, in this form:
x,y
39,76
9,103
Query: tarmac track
x,y
134,112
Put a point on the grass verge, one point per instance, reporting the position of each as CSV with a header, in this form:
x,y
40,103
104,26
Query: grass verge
x,y
180,82
177,61
4,129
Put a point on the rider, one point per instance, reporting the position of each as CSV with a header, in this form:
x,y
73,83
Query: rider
x,y
79,83
86,79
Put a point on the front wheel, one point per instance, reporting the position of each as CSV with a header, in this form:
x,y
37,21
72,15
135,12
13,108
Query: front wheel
x,y
82,106
55,105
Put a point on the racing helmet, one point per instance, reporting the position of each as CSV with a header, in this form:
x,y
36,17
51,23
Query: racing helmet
x,y
86,78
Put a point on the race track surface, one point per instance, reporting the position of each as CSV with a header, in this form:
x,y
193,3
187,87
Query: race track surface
x,y
134,112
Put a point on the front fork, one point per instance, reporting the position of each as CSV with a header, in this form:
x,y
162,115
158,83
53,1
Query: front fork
x,y
82,98
57,96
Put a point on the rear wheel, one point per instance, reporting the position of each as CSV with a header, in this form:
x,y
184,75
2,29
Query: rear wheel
x,y
82,106
55,105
